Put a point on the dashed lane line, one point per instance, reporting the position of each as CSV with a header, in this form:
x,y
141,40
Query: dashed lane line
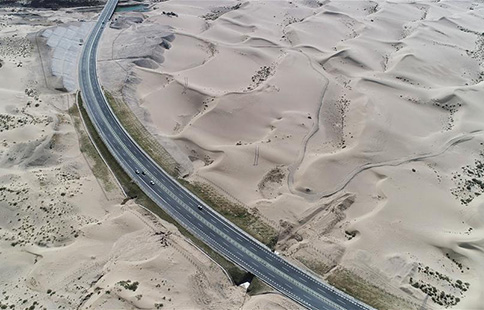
x,y
129,154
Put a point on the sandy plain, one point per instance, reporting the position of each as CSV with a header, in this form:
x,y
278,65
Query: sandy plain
x,y
353,127
68,238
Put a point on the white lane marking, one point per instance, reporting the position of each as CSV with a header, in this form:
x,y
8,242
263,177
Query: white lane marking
x,y
252,247
285,268
305,280
212,234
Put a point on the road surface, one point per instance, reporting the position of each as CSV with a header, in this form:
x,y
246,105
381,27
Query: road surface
x,y
188,210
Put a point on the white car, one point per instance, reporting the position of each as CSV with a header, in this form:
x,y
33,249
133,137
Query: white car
x,y
152,183
137,171
200,207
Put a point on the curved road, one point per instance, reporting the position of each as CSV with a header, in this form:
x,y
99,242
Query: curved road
x,y
204,223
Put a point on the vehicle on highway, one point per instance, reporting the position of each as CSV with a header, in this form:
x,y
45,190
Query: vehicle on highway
x,y
137,171
210,227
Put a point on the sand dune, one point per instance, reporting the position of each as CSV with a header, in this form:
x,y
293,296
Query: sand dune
x,y
68,238
355,126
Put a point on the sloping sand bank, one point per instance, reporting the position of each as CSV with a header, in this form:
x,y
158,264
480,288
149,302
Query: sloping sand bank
x,y
354,127
67,241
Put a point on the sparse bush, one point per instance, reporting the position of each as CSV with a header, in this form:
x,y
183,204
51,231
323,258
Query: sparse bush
x,y
132,286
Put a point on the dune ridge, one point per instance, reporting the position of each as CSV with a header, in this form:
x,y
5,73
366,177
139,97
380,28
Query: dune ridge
x,y
353,127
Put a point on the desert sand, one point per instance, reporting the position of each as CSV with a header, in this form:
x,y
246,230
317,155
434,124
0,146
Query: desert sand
x,y
69,240
354,127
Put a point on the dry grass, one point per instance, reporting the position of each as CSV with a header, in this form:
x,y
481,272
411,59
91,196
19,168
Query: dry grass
x,y
142,136
236,213
100,170
368,293
314,265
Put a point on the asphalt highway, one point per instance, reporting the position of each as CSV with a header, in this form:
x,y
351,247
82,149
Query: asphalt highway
x,y
188,210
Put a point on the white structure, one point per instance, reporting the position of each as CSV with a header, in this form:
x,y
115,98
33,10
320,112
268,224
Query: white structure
x,y
67,44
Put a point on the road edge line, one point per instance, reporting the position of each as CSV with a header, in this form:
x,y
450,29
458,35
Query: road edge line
x,y
95,145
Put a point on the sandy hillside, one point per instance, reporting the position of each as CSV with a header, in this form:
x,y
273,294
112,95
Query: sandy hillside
x,y
355,126
67,240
